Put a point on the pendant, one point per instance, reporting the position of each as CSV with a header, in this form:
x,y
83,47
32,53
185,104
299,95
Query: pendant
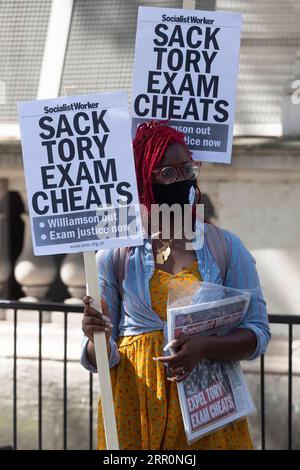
x,y
163,255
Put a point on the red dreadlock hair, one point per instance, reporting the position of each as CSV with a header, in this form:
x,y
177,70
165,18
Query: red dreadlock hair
x,y
150,144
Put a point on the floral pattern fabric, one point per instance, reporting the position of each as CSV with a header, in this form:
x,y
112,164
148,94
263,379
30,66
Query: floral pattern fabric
x,y
148,414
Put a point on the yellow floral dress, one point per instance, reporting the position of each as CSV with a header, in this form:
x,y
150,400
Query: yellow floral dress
x,y
147,407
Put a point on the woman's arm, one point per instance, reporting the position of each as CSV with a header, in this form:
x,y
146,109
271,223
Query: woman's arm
x,y
91,323
242,274
249,340
91,355
235,346
110,305
238,345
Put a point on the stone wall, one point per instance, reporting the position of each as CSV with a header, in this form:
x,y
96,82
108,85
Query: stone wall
x,y
257,197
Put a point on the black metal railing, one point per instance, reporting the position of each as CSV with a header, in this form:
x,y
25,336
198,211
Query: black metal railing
x,y
40,308
289,320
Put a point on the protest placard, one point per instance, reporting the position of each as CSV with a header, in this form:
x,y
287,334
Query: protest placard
x,y
186,66
82,192
80,174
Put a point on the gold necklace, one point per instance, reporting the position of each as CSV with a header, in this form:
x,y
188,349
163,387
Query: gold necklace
x,y
164,253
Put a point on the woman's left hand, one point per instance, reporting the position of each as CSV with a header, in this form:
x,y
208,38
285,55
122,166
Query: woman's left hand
x,y
190,350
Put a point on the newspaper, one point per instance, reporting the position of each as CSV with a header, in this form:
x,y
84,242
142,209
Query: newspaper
x,y
215,392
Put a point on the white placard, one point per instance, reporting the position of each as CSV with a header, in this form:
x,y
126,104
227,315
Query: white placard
x,y
80,173
186,67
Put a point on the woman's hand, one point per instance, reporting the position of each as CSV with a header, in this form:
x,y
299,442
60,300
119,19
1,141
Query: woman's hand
x,y
237,345
93,321
190,350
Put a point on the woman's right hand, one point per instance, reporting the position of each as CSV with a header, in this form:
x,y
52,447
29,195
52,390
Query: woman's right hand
x,y
93,321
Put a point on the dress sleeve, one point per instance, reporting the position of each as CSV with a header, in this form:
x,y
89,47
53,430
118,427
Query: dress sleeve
x,y
113,359
242,274
109,292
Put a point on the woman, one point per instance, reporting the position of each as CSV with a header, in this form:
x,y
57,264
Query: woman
x,y
143,380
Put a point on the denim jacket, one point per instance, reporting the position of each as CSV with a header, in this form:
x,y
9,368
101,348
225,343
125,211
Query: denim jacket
x,y
133,314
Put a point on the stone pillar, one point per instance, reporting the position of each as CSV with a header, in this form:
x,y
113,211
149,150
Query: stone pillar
x,y
34,273
4,243
73,276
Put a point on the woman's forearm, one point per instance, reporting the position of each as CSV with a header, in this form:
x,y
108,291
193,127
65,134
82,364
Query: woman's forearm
x,y
235,346
91,355
90,352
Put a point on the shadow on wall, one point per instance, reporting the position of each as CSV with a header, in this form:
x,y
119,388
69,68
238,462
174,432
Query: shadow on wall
x,y
16,235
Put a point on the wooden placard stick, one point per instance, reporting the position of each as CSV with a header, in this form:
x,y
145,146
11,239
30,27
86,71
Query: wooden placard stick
x,y
107,403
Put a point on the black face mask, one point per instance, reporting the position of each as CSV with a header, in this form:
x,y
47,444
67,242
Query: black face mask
x,y
181,192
